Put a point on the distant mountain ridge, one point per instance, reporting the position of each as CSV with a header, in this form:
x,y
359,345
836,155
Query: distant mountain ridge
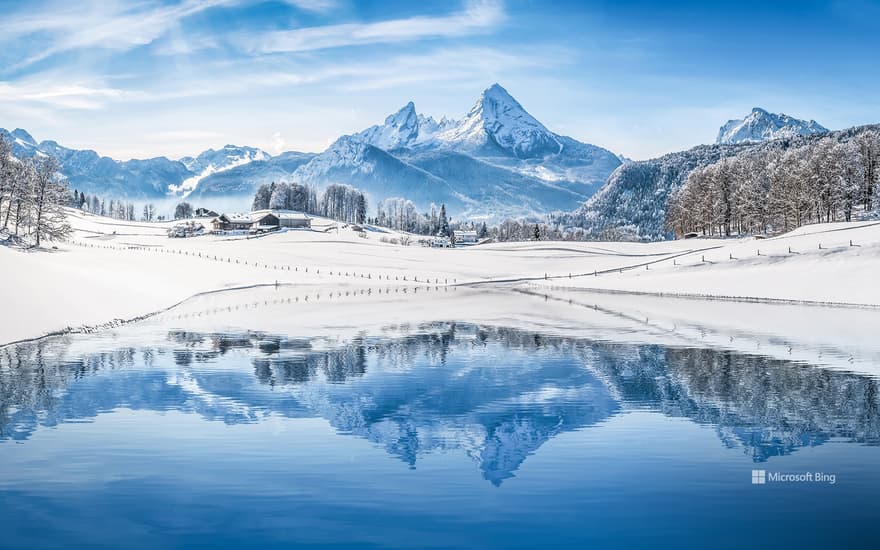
x,y
143,179
496,162
760,125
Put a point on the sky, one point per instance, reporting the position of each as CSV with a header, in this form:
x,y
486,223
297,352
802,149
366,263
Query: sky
x,y
142,78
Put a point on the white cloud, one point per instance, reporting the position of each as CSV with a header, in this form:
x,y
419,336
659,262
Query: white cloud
x,y
477,16
319,6
110,25
67,96
278,143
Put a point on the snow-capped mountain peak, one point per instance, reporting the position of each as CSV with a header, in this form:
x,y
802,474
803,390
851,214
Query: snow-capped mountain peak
x,y
498,119
761,125
406,117
400,129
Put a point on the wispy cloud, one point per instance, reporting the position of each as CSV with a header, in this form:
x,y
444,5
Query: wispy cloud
x,y
318,6
477,16
109,25
54,95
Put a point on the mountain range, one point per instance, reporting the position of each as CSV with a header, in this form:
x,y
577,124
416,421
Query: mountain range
x,y
759,125
497,161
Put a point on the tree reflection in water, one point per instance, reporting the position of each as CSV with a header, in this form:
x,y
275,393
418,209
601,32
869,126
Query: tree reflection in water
x,y
497,394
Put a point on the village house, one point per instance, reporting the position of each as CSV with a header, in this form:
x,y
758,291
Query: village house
x,y
261,220
465,237
232,222
292,219
205,213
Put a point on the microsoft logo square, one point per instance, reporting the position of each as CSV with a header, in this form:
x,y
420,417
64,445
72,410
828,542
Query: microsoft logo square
x,y
759,477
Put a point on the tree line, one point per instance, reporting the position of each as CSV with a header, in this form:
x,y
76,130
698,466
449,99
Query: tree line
x,y
774,190
33,195
113,208
402,215
338,202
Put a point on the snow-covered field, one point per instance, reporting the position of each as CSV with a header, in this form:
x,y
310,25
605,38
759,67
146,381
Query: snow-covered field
x,y
121,270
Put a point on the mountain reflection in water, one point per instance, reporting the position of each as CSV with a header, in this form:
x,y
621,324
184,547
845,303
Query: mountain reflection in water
x,y
496,394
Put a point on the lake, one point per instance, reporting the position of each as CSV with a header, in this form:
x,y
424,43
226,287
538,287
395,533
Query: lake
x,y
264,419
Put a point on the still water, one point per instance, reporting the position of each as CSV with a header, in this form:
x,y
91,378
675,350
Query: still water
x,y
433,435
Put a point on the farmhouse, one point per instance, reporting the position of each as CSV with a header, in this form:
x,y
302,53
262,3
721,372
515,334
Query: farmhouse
x,y
232,222
290,218
205,213
261,220
465,237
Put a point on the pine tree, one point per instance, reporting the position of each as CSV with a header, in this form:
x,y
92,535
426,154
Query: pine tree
x,y
442,222
361,214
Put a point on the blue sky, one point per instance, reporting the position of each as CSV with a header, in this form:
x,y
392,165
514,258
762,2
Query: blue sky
x,y
143,78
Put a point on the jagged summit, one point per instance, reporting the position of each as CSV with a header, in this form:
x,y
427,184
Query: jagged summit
x,y
498,120
496,125
761,125
400,129
23,136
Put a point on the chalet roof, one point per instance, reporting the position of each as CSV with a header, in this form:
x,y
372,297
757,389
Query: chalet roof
x,y
258,215
283,214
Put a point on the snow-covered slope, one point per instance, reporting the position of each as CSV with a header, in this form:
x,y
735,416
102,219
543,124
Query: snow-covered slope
x,y
760,125
243,179
632,203
211,162
228,156
376,171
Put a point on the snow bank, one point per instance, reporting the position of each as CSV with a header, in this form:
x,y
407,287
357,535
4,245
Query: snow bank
x,y
121,270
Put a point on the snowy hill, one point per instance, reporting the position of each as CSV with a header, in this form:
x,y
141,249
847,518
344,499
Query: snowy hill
x,y
498,161
632,203
241,180
210,162
760,125
228,156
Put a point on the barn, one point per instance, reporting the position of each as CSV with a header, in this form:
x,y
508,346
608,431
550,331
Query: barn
x,y
232,222
290,218
262,220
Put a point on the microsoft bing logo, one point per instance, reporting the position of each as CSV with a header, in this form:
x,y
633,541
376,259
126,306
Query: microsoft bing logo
x,y
759,477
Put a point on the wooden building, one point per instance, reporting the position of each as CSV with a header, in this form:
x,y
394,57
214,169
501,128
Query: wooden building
x,y
232,222
261,220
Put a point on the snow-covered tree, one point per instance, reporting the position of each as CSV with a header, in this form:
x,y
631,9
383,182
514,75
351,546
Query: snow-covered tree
x,y
442,222
49,197
183,210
